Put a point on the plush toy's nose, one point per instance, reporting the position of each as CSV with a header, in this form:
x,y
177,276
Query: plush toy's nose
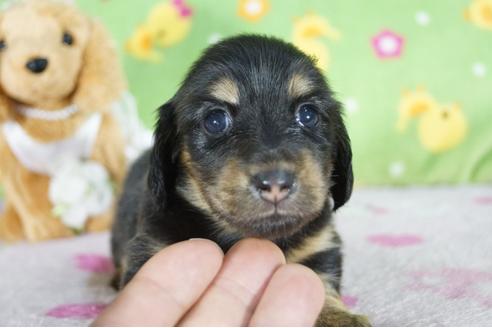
x,y
274,186
37,65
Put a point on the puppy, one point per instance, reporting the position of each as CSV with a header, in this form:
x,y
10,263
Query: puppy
x,y
252,145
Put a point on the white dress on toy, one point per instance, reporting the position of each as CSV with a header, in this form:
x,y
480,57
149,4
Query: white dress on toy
x,y
79,187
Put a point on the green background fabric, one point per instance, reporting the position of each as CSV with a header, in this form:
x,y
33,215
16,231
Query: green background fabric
x,y
448,55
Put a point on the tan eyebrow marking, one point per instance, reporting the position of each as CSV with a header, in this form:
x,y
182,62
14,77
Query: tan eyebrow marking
x,y
299,86
226,90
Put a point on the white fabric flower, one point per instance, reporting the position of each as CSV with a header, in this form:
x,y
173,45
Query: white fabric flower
x,y
80,189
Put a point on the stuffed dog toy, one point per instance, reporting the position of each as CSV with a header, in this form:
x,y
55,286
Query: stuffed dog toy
x,y
59,75
252,145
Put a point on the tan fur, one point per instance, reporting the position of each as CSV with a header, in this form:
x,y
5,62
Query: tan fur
x,y
335,313
11,225
230,178
202,196
226,90
5,105
86,74
229,196
333,316
321,241
278,165
193,190
108,148
310,173
299,86
27,197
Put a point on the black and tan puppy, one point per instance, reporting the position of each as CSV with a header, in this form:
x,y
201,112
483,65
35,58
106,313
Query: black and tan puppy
x,y
252,145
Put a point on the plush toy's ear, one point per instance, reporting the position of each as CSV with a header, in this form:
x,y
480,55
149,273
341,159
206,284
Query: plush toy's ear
x,y
5,103
5,106
101,80
342,175
163,161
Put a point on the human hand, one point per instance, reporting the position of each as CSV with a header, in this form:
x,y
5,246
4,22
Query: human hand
x,y
192,283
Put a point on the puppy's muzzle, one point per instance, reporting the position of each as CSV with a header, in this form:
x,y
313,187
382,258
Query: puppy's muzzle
x,y
274,186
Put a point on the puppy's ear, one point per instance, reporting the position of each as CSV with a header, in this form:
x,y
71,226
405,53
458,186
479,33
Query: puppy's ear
x,y
162,171
342,175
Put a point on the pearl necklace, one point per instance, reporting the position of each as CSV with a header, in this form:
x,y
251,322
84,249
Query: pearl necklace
x,y
47,115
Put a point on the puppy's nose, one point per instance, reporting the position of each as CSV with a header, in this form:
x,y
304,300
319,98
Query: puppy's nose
x,y
37,65
274,186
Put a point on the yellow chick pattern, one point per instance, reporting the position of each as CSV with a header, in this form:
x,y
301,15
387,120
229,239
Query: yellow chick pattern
x,y
440,127
368,57
307,36
480,13
167,24
413,104
141,45
253,10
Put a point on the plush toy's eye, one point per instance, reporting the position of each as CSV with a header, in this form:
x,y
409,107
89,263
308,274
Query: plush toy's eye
x,y
307,115
3,45
217,121
67,39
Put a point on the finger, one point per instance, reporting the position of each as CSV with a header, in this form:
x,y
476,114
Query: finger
x,y
294,297
232,297
166,286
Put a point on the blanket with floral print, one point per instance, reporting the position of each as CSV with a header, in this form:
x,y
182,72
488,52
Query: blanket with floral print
x,y
413,257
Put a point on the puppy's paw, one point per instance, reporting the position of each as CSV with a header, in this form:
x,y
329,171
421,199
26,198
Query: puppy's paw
x,y
115,280
342,319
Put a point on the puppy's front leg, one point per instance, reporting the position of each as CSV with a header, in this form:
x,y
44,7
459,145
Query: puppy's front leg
x,y
334,312
138,251
328,265
321,253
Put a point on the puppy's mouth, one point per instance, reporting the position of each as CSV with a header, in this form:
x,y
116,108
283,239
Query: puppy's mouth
x,y
255,214
271,224
272,200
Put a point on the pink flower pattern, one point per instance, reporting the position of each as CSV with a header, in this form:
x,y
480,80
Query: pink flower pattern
x,y
378,210
454,283
483,200
387,44
76,311
182,7
94,263
394,240
349,300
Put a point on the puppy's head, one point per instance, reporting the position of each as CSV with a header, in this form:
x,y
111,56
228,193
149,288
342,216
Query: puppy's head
x,y
254,139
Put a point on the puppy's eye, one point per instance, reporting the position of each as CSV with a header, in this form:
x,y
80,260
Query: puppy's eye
x,y
67,39
217,121
3,45
307,115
